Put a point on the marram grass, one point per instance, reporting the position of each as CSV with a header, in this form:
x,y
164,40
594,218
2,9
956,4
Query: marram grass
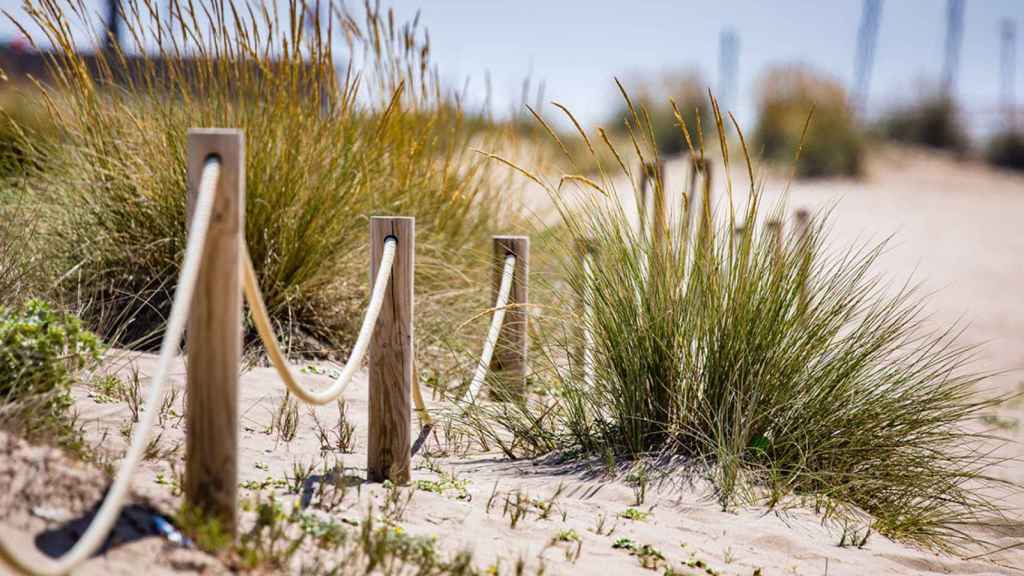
x,y
327,146
773,366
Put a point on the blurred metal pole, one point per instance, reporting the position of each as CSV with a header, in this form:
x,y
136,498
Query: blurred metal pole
x,y
954,39
1008,71
867,38
728,66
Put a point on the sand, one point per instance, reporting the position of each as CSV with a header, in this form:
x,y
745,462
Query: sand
x,y
956,230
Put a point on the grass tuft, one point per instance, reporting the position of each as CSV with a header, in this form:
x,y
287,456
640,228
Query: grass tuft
x,y
776,366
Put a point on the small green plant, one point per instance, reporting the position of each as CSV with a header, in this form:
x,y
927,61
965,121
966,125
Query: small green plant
x,y
634,515
41,350
448,481
517,505
207,532
545,506
569,535
299,475
852,536
601,527
572,553
624,544
341,437
41,353
269,544
697,564
649,557
396,502
638,479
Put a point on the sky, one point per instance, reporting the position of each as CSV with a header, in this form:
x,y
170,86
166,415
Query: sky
x,y
577,47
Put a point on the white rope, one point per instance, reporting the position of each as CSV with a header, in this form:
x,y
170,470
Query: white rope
x,y
355,359
110,510
504,290
588,316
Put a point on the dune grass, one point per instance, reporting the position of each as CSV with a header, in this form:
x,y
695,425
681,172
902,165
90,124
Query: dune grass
x,y
1006,149
772,366
933,120
326,148
831,145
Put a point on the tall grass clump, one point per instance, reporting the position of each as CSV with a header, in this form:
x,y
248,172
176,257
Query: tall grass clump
x,y
932,121
830,145
772,365
327,145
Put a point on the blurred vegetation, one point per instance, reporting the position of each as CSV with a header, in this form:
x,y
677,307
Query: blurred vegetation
x,y
653,101
1006,149
933,120
23,121
829,141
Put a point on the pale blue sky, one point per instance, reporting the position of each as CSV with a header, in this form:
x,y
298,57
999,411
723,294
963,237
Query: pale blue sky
x,y
576,46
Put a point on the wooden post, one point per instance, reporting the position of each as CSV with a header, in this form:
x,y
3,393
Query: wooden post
x,y
803,234
660,224
774,228
391,355
702,166
508,365
692,195
652,177
214,336
586,250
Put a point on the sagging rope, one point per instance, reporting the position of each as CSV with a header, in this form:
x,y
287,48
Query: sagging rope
x,y
261,319
504,291
113,502
355,359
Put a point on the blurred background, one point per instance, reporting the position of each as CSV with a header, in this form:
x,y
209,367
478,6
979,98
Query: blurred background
x,y
942,73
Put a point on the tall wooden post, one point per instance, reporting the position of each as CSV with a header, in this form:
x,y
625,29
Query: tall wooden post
x,y
391,355
774,228
652,178
214,336
586,251
702,167
804,245
509,363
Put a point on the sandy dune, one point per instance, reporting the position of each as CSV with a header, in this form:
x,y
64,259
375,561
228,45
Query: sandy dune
x,y
957,228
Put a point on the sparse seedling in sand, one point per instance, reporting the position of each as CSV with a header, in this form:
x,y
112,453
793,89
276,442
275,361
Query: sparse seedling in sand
x,y
285,420
634,515
299,475
601,527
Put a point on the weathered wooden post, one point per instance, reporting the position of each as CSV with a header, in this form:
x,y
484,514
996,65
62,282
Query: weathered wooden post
x,y
391,355
804,245
509,363
774,228
701,167
214,336
586,251
652,178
